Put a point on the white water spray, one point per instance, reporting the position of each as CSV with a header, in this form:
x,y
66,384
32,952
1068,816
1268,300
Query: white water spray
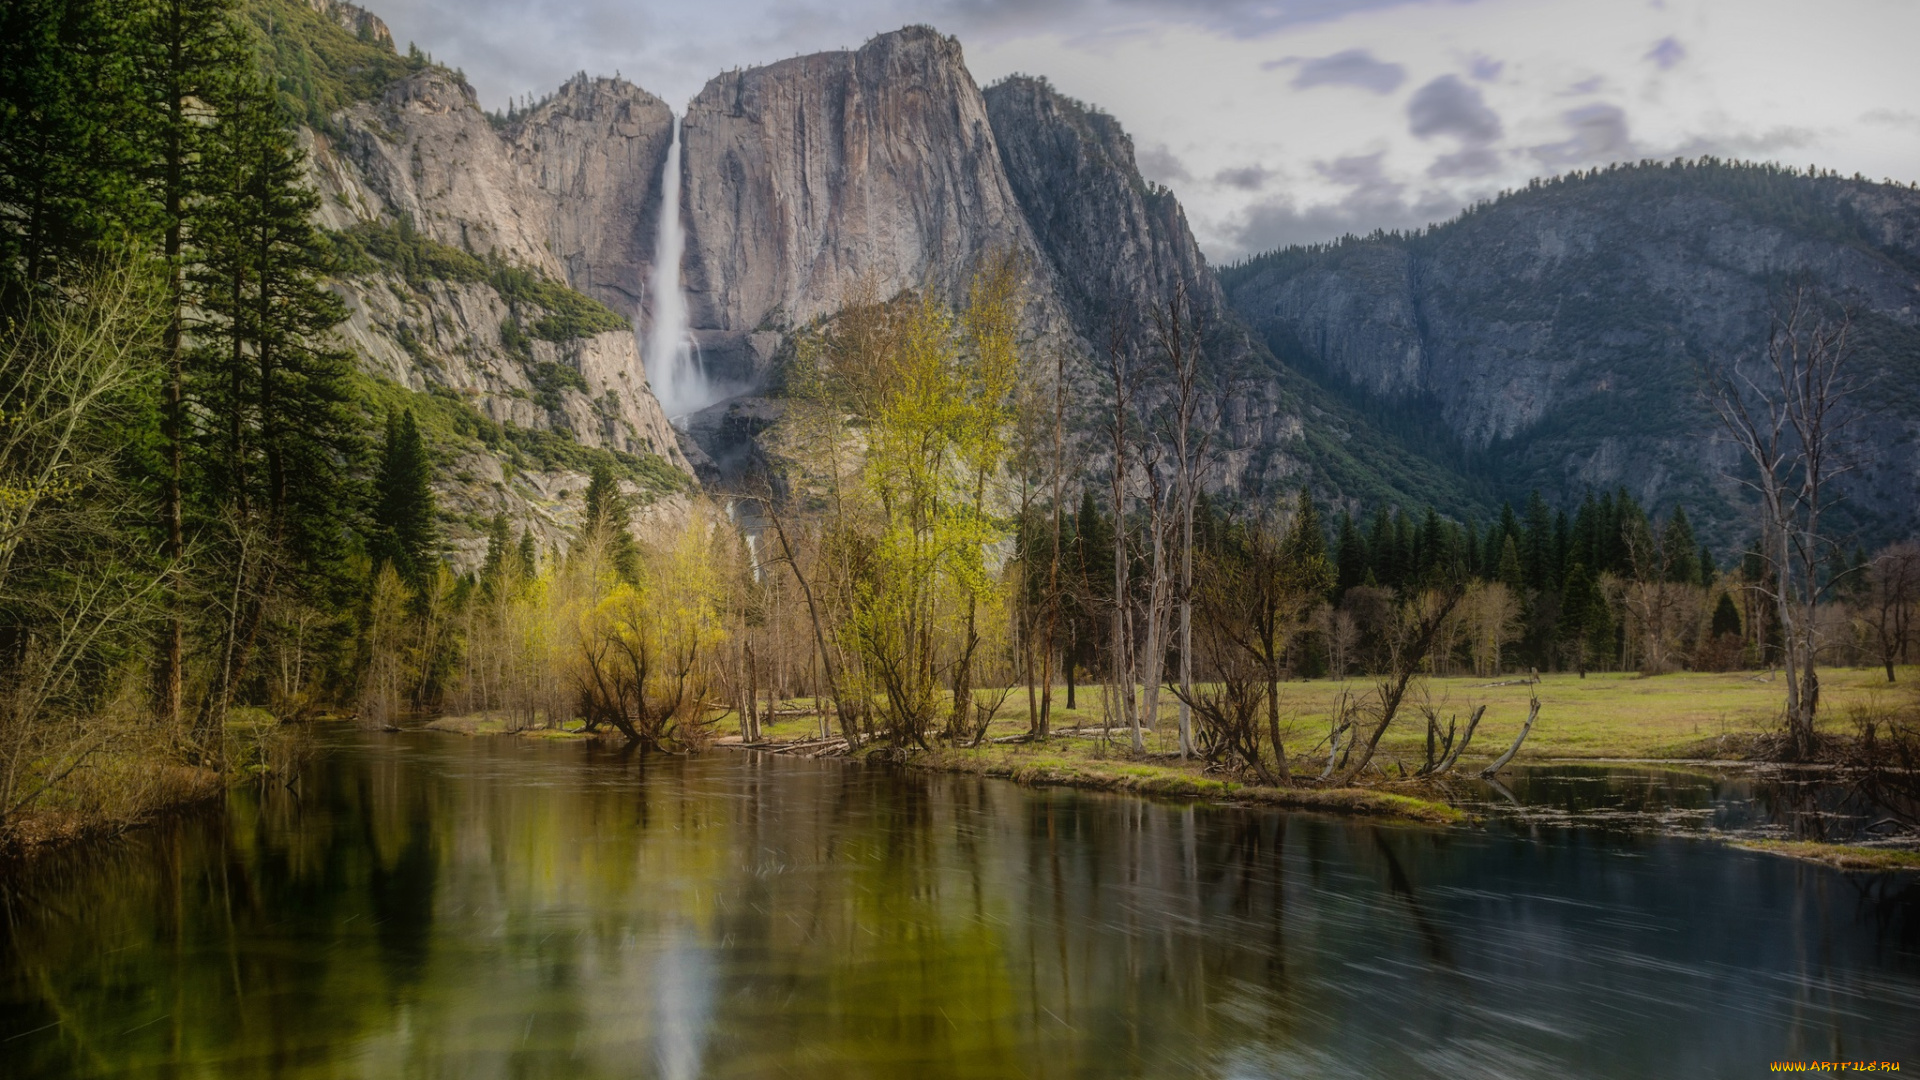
x,y
673,366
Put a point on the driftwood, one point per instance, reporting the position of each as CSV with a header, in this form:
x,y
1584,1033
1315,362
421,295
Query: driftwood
x,y
1533,713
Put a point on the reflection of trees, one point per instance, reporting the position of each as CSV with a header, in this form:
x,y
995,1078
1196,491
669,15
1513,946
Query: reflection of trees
x,y
547,910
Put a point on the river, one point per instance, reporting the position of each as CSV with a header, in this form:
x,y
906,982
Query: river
x,y
433,906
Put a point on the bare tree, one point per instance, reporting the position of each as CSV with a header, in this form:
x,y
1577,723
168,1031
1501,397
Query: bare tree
x,y
1788,415
1893,580
1122,676
1178,334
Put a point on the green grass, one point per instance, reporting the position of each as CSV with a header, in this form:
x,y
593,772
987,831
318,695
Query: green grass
x,y
1838,856
1604,716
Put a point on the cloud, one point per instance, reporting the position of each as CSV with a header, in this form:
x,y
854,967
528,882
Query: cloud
x,y
1742,144
1157,162
1247,178
1666,52
1374,200
1596,133
1486,68
1467,163
1353,67
1447,106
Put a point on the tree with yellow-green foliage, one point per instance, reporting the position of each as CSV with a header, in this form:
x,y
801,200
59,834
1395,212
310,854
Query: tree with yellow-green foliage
x,y
900,433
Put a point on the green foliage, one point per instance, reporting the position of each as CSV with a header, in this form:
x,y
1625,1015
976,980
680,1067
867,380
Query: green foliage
x,y
405,535
1726,617
450,425
375,246
317,66
605,525
557,312
565,313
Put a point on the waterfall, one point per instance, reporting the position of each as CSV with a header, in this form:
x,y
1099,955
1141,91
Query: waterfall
x,y
673,365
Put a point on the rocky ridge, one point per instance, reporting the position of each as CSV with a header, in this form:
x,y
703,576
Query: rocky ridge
x,y
1560,334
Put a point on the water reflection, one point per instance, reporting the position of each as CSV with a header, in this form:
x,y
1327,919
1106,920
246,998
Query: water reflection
x,y
1750,801
436,906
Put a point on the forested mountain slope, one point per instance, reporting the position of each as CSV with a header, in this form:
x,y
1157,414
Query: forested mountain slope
x,y
1556,338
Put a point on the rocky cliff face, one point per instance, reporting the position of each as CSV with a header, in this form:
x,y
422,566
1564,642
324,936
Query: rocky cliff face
x,y
1118,247
596,151
1560,333
563,195
808,179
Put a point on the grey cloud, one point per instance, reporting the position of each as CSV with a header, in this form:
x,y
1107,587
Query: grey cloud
x,y
1469,162
1741,143
1352,67
1447,106
1374,201
1486,68
1586,86
1891,118
1666,52
1157,162
1254,18
1596,133
1248,178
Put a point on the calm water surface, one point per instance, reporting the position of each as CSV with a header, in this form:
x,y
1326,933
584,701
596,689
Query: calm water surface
x,y
432,906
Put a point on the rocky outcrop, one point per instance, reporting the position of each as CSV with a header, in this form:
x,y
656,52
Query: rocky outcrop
x,y
425,151
1559,333
355,20
872,171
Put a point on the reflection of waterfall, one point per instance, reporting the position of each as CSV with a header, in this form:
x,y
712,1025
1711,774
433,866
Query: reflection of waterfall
x,y
673,368
682,1004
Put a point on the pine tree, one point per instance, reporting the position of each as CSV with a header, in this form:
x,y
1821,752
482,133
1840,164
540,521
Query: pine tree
x,y
1678,550
404,533
1510,573
529,555
1306,539
1726,617
1536,544
183,51
499,550
1351,553
606,524
1580,605
1709,573
68,156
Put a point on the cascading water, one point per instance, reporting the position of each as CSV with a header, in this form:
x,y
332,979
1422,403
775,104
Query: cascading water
x,y
673,365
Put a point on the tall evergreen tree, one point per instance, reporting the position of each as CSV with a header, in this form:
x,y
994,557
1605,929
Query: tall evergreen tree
x,y
1536,544
1678,550
1726,617
1351,553
606,523
184,52
404,532
499,551
69,155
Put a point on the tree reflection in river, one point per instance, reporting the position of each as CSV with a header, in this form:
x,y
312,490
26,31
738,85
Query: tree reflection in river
x,y
448,907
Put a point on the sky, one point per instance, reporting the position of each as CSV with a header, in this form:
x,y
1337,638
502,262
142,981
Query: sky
x,y
1295,121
